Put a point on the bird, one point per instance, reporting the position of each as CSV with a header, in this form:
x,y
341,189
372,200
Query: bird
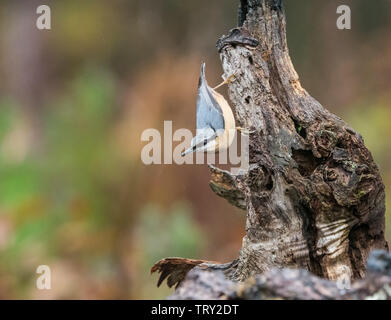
x,y
215,122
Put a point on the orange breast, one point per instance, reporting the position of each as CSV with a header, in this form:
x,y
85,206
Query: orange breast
x,y
224,140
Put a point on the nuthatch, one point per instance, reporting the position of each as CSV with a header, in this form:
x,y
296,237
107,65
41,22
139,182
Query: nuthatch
x,y
215,120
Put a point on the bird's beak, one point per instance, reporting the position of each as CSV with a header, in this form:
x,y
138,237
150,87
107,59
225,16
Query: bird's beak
x,y
191,149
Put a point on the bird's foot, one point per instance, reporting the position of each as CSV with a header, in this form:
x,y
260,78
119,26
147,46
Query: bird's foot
x,y
244,130
227,80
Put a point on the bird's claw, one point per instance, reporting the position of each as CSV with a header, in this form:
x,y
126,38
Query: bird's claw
x,y
245,131
227,80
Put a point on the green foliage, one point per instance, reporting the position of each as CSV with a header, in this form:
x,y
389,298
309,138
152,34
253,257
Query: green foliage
x,y
58,200
371,118
44,192
164,233
175,233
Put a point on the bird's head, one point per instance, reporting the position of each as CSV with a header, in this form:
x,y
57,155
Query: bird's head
x,y
204,141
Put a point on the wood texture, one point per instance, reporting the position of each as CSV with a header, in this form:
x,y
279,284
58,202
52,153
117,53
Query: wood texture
x,y
289,284
313,193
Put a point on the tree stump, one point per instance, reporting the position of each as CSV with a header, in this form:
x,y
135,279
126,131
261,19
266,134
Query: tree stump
x,y
313,193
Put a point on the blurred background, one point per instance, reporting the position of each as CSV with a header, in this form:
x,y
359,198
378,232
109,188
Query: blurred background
x,y
74,194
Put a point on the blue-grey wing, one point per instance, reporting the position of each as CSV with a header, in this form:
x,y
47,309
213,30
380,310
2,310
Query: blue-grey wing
x,y
209,113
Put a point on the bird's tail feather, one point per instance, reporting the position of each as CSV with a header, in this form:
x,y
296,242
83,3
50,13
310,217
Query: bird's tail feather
x,y
202,75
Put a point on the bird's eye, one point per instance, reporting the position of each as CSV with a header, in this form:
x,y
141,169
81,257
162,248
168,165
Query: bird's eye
x,y
205,141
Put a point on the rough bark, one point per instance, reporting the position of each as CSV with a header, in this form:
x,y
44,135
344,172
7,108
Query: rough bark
x,y
289,284
313,193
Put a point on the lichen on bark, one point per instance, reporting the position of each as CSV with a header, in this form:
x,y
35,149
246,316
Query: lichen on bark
x,y
313,195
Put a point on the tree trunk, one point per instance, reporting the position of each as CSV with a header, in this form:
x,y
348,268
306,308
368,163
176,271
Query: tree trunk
x,y
313,194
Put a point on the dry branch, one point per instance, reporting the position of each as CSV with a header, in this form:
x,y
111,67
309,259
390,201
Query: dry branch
x,y
289,284
313,194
